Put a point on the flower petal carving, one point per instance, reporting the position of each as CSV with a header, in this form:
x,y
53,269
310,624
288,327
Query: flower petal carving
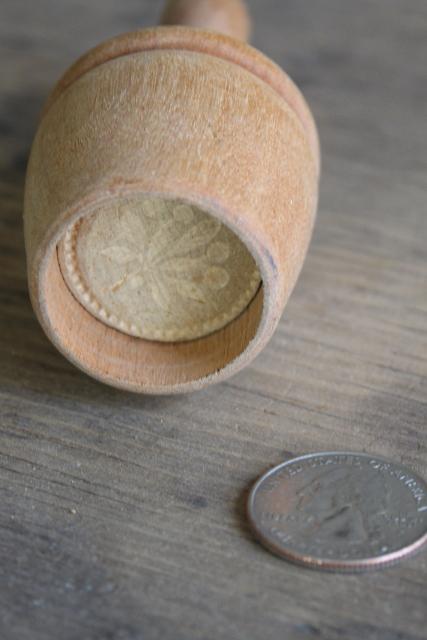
x,y
185,266
133,225
135,281
119,254
197,236
188,289
157,268
179,256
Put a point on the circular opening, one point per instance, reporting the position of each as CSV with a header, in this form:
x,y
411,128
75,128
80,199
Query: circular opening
x,y
158,269
107,350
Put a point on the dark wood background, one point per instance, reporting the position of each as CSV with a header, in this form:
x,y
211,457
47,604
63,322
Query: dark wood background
x,y
122,517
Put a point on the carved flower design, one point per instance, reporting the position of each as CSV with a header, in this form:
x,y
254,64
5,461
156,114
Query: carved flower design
x,y
182,255
158,269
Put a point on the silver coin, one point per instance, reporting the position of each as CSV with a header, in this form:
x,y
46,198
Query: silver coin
x,y
340,511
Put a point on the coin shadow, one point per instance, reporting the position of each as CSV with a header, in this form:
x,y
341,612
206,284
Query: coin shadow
x,y
240,512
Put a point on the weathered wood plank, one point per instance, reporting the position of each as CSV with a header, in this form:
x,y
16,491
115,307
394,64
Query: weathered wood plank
x,y
123,516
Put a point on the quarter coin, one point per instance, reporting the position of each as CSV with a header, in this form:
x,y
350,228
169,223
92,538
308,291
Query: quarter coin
x,y
340,511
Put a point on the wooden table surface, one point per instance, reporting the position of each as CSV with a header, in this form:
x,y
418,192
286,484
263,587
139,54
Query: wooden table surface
x,y
122,517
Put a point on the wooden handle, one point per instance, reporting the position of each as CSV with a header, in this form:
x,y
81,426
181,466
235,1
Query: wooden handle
x,y
194,135
229,17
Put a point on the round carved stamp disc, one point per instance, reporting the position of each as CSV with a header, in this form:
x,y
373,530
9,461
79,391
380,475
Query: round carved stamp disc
x,y
340,511
158,269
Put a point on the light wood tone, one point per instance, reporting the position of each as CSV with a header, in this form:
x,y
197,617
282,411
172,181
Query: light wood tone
x,y
158,269
223,130
122,516
229,17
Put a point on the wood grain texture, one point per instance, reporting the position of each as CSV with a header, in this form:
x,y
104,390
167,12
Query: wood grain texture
x,y
122,517
168,270
225,16
186,122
